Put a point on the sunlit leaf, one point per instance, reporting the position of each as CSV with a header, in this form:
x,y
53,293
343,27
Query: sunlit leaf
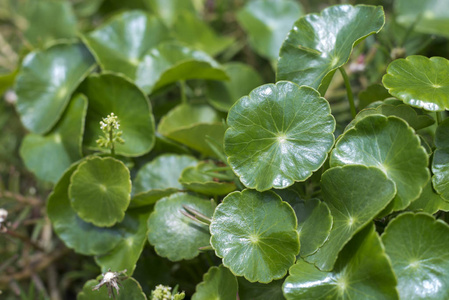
x,y
355,195
218,283
169,10
416,245
279,134
419,81
255,234
48,156
46,81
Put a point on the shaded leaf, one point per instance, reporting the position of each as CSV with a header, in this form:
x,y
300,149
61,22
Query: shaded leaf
x,y
218,283
355,195
279,134
440,163
130,289
255,234
429,201
260,291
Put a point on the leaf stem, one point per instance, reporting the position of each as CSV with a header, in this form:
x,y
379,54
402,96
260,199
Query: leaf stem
x,y
111,138
348,91
440,117
182,85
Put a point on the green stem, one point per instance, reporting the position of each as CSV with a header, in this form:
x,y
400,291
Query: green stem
x,y
111,136
182,84
440,117
348,91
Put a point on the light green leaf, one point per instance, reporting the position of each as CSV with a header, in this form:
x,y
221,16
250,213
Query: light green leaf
x,y
255,234
189,29
76,234
260,291
100,190
242,80
190,124
362,271
279,134
169,10
128,250
355,195
417,246
319,44
50,155
129,289
389,144
440,163
429,201
403,111
121,43
159,178
48,21
174,235
200,179
267,23
171,62
419,81
218,283
46,82
112,93
430,16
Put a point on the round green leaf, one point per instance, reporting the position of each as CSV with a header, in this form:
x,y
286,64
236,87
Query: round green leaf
x,y
112,93
255,234
417,246
50,155
76,234
190,124
242,80
260,291
120,44
391,145
355,195
419,81
204,180
100,190
267,23
218,283
128,250
188,28
129,289
403,111
440,163
40,30
362,271
174,235
169,10
429,201
171,62
319,44
430,16
279,134
46,81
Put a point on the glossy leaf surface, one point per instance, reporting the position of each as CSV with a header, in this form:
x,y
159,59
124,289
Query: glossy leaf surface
x,y
77,234
200,179
100,190
130,289
431,16
362,271
190,124
255,234
440,163
355,195
218,283
416,245
46,81
267,23
61,146
242,80
112,93
319,44
174,235
419,81
171,62
278,134
429,201
120,44
128,250
389,144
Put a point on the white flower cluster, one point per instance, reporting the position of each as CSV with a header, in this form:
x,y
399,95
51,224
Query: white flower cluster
x,y
162,292
111,121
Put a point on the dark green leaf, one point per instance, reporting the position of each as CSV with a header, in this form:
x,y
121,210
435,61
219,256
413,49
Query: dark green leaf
x,y
130,289
429,201
260,291
440,164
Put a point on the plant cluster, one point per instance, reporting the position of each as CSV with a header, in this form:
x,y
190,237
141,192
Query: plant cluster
x,y
174,162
